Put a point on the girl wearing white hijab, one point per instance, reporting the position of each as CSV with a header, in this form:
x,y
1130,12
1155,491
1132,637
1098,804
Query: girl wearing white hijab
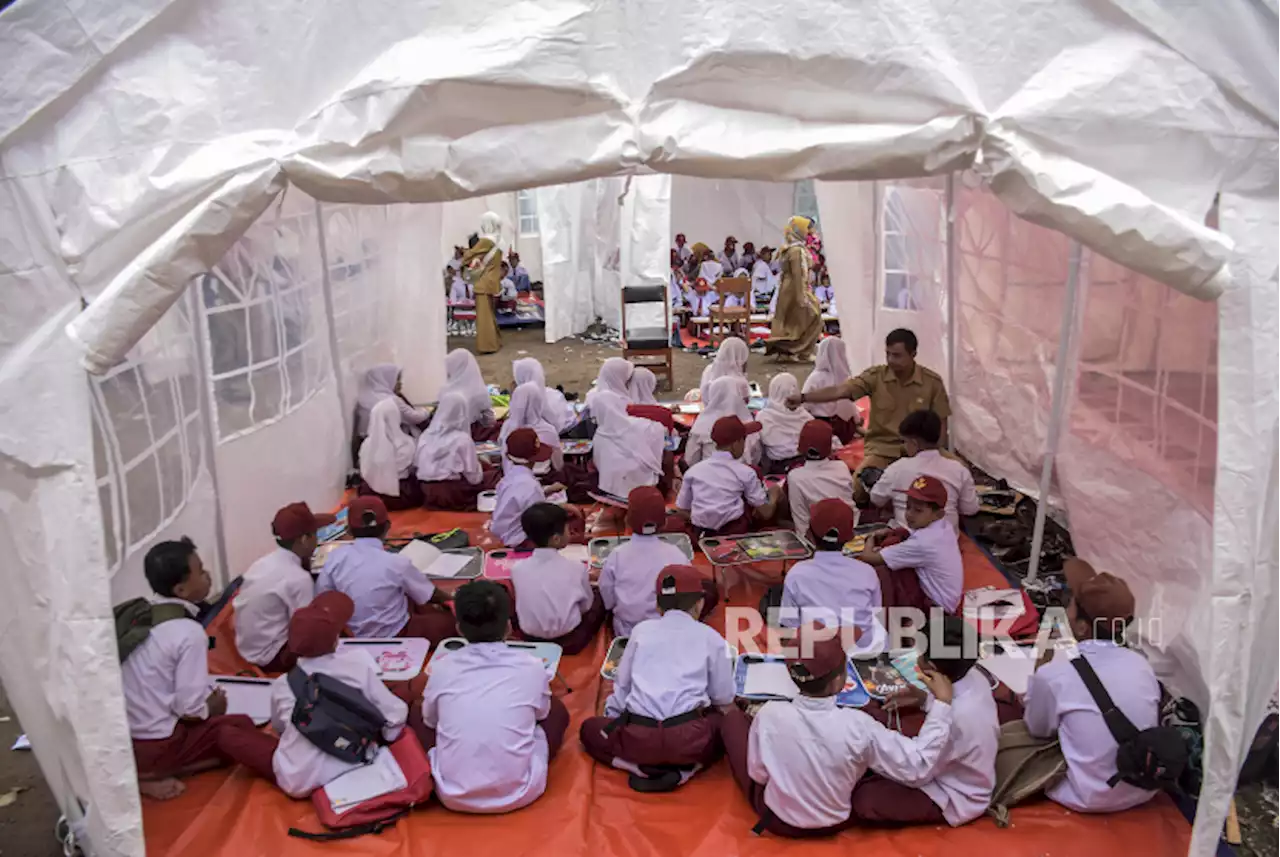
x,y
780,432
613,377
628,451
446,460
386,459
728,397
383,382
558,411
641,387
730,360
832,368
462,378
527,410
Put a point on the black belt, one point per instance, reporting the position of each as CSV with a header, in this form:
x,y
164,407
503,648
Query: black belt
x,y
627,717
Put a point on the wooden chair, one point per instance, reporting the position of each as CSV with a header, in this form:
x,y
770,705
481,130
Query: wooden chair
x,y
736,318
649,347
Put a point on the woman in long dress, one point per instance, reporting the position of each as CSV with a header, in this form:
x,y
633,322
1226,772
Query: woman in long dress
x,y
797,321
482,267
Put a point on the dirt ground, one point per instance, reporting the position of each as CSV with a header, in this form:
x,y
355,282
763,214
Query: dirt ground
x,y
26,824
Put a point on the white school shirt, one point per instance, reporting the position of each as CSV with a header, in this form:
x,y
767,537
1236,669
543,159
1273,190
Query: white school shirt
x,y
167,676
552,593
300,766
485,701
273,588
835,589
507,289
962,497
629,576
518,490
809,755
378,582
714,490
935,555
814,481
763,280
672,665
1058,701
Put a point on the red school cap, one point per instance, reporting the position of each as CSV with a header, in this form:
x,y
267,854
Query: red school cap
x,y
679,580
523,444
646,510
729,430
831,521
366,511
928,490
815,440
297,520
315,628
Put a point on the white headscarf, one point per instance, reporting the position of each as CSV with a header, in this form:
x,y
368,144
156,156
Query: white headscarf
x,y
831,368
627,450
491,226
527,410
728,396
558,412
386,453
643,383
446,450
378,383
781,432
731,359
615,373
462,378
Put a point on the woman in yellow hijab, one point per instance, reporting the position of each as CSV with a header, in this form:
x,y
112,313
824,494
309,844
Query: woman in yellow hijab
x,y
797,322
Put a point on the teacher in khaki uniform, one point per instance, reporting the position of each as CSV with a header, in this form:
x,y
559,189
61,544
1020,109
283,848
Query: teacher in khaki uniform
x,y
897,387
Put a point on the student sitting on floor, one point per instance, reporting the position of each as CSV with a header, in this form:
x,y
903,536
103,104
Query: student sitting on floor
x,y
519,489
488,721
446,462
730,362
627,451
716,492
555,601
507,286
728,396
626,581
820,477
662,721
831,368
702,298
527,409
780,426
924,570
957,789
177,719
1058,702
558,411
462,377
799,762
300,766
382,584
275,586
920,431
460,293
386,460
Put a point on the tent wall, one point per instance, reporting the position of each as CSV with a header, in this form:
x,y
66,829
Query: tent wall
x,y
581,254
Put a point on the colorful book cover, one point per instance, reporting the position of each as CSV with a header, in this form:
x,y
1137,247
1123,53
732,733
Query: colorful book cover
x,y
881,679
498,564
723,551
613,657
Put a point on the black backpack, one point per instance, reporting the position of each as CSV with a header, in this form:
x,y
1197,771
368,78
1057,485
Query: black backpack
x,y
335,717
1151,759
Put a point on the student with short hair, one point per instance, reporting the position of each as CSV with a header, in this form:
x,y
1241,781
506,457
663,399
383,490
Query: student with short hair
x,y
957,789
662,721
799,763
921,432
819,477
446,462
555,601
1058,702
488,720
300,766
276,586
519,489
924,569
177,719
383,585
720,494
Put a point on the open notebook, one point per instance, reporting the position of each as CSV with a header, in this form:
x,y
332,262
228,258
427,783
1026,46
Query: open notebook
x,y
432,561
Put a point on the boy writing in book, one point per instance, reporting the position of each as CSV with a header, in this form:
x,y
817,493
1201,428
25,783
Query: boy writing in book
x,y
383,585
799,762
820,477
923,570
488,721
300,766
555,601
717,491
662,721
177,719
519,489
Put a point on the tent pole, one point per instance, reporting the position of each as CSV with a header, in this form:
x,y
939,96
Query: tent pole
x,y
950,292
1064,368
335,358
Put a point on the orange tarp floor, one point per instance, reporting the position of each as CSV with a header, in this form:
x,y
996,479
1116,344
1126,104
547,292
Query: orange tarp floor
x,y
589,810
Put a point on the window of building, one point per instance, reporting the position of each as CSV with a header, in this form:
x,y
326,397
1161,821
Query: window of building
x,y
527,209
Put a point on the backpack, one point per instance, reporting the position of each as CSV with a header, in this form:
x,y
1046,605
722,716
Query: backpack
x,y
335,717
136,617
1025,767
1150,759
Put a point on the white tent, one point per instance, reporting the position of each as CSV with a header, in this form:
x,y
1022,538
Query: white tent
x,y
262,150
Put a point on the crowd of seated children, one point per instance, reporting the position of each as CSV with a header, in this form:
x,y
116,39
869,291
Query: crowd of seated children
x,y
520,489
300,766
487,717
275,587
730,361
383,585
727,397
921,432
661,724
558,411
386,460
831,368
177,719
923,568
462,377
446,463
378,383
696,269
780,426
721,494
555,601
819,477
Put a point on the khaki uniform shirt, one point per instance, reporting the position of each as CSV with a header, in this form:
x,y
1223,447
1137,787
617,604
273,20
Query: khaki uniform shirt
x,y
892,400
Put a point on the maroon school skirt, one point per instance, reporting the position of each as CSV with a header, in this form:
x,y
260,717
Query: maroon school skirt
x,y
844,429
410,495
458,495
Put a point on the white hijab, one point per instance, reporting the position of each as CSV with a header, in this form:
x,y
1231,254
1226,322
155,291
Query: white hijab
x,y
462,378
643,383
627,450
728,396
831,368
731,360
446,450
781,432
558,412
386,453
614,376
378,383
527,410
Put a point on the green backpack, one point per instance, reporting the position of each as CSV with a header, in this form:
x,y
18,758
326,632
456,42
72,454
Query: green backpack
x,y
136,617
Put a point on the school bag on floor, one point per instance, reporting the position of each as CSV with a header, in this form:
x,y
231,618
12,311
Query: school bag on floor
x,y
335,717
1025,767
136,617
